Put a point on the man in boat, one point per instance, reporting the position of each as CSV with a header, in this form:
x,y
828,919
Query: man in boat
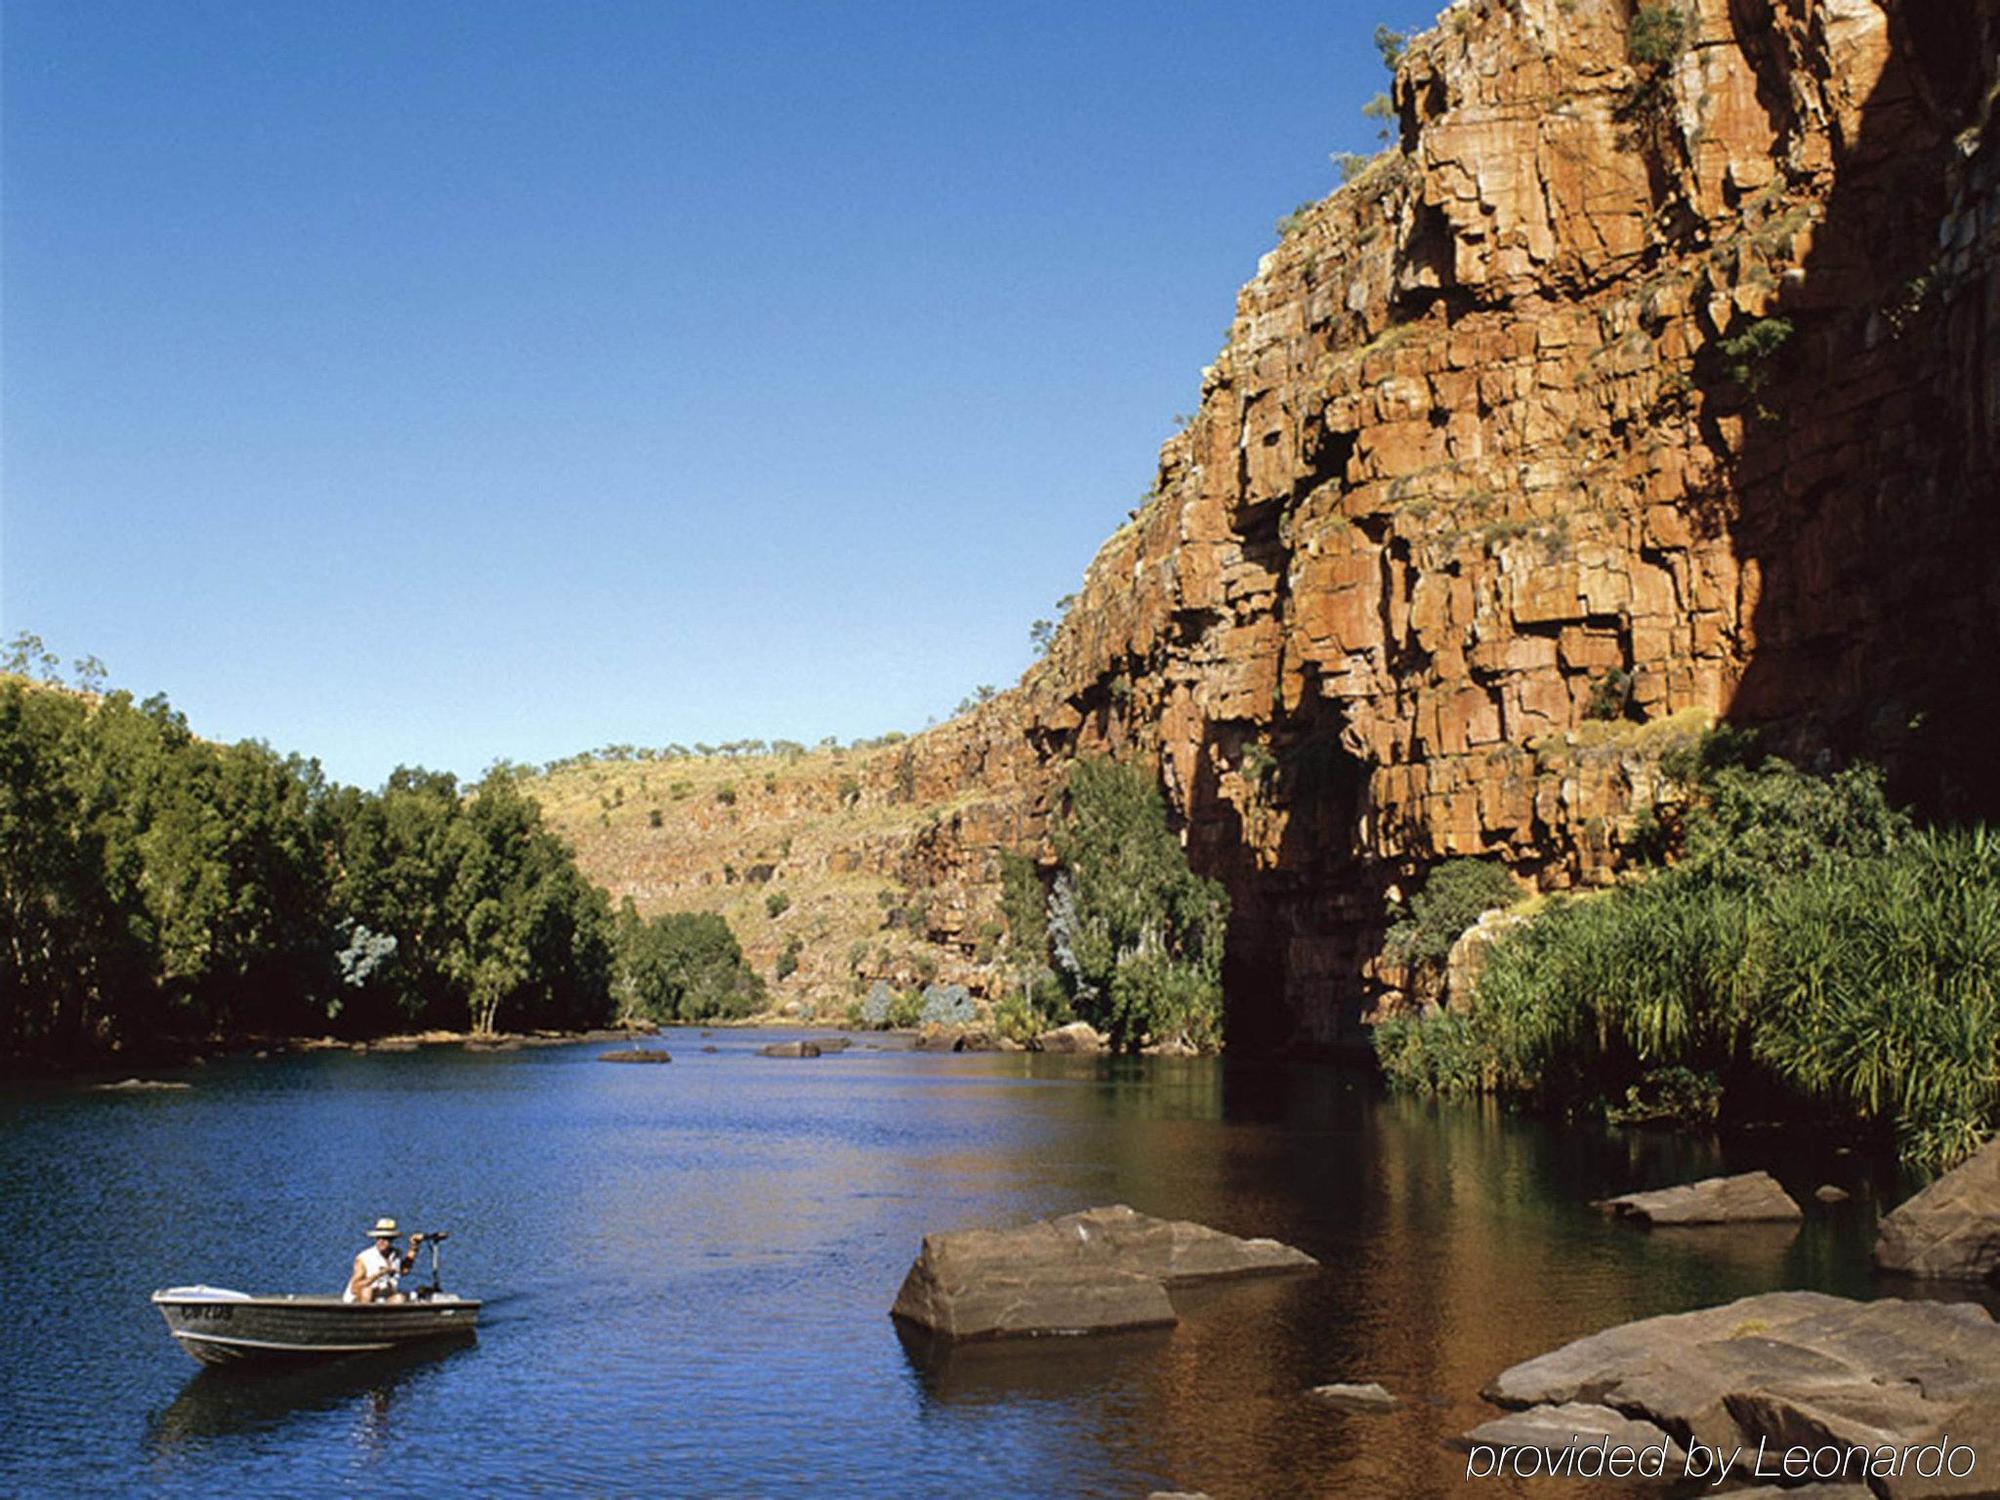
x,y
377,1268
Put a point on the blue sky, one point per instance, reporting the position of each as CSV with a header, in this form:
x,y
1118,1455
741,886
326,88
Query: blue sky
x,y
432,384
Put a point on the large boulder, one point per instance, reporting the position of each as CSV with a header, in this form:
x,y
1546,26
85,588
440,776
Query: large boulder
x,y
1098,1271
1469,952
636,1055
1078,1036
1952,1227
1785,1369
1751,1198
1577,1424
789,1049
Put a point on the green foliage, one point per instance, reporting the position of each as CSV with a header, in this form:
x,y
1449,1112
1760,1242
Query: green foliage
x,y
682,966
1381,109
788,958
1435,1055
1748,358
1349,165
1882,989
906,1010
726,794
1391,44
1288,225
1805,936
849,791
776,904
947,1005
1658,36
1454,895
156,888
1670,1096
1610,695
1136,935
1654,44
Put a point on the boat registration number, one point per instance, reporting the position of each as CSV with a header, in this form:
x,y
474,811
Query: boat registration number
x,y
213,1312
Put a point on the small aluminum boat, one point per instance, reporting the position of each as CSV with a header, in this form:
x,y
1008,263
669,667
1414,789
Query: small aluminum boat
x,y
220,1327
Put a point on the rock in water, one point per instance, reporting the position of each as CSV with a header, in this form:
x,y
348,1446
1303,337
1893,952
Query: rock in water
x,y
1785,1368
1828,1194
1370,1397
140,1086
1576,1424
1078,1036
637,1055
790,1049
1952,1227
1097,1271
1753,1197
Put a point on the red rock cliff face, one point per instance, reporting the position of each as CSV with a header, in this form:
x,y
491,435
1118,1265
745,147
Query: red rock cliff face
x,y
1625,395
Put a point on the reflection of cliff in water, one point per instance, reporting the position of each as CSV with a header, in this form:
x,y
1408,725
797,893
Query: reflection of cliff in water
x,y
1453,1241
230,1400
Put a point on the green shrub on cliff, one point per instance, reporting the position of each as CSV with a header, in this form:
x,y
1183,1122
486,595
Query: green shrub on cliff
x,y
1137,936
1806,938
1453,896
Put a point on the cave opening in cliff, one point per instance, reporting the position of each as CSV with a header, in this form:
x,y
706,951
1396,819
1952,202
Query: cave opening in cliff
x,y
1283,842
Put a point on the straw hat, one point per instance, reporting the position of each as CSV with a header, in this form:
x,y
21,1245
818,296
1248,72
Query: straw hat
x,y
385,1229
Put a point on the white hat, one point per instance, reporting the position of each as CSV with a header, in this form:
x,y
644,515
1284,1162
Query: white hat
x,y
385,1229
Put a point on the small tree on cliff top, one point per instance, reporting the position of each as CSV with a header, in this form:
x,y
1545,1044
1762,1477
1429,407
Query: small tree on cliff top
x,y
1137,935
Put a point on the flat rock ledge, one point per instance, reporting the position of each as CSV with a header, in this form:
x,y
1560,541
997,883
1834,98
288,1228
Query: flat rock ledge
x,y
1846,1382
1099,1271
790,1049
636,1055
1952,1227
1751,1198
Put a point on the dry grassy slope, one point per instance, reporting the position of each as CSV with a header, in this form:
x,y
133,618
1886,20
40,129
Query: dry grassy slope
x,y
850,837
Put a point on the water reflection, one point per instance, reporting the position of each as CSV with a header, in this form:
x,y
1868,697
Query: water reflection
x,y
687,1272
227,1401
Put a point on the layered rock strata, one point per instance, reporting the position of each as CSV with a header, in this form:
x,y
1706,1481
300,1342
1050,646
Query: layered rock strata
x,y
1640,385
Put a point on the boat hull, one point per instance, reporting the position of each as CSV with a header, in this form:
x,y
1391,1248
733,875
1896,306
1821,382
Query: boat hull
x,y
221,1328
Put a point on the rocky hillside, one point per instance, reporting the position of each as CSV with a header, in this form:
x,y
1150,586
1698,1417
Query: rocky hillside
x,y
1648,381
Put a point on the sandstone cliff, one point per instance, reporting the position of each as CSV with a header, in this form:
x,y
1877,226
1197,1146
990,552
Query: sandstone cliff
x,y
1641,385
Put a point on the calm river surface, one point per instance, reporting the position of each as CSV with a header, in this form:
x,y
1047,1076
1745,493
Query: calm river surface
x,y
688,1271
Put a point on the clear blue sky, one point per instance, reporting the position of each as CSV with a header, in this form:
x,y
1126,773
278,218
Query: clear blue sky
x,y
437,383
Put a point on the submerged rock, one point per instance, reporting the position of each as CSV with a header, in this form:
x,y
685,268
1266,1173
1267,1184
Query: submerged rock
x,y
140,1086
1097,1271
1078,1036
637,1055
1750,1198
1828,1194
1952,1227
1783,1368
1370,1397
789,1049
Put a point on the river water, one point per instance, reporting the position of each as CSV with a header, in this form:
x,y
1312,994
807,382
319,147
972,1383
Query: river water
x,y
688,1269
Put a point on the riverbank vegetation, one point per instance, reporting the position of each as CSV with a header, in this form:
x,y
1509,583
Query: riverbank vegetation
x,y
158,891
1127,937
1796,936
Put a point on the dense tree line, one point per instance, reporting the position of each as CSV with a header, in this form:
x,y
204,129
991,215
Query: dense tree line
x,y
682,966
157,888
1797,936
